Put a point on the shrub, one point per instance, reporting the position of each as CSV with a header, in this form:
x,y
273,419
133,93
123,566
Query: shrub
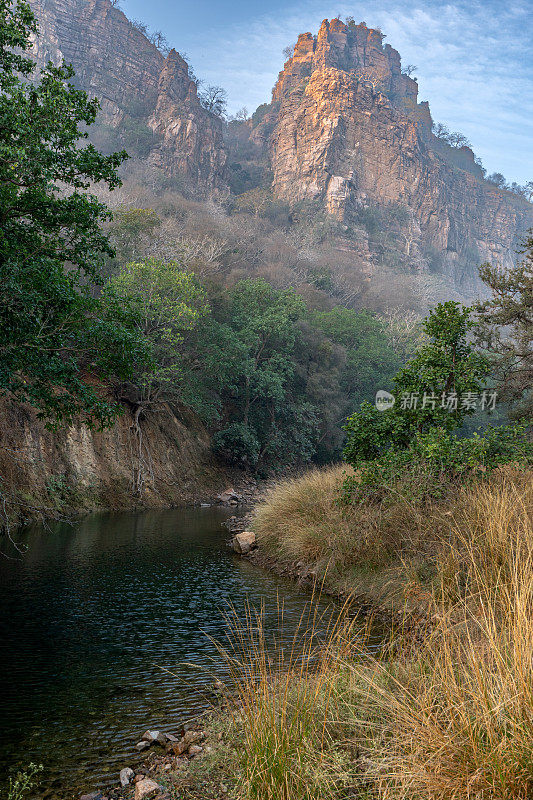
x,y
446,366
23,782
435,463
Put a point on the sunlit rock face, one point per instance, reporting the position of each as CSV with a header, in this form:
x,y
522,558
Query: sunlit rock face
x,y
115,62
345,128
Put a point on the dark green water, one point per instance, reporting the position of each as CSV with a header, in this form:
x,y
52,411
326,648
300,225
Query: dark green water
x,y
90,615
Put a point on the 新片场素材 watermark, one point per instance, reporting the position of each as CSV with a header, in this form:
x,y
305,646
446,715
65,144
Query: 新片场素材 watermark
x,y
450,401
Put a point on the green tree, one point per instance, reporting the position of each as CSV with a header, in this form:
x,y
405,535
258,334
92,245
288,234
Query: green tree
x,y
165,301
449,364
55,333
269,420
428,390
213,356
370,360
507,330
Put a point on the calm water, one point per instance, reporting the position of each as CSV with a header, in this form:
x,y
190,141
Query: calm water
x,y
89,617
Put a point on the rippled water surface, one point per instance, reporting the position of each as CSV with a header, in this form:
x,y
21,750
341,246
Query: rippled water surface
x,y
91,617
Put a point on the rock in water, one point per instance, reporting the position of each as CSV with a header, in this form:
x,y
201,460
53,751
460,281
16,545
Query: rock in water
x,y
126,776
140,746
155,737
146,789
243,542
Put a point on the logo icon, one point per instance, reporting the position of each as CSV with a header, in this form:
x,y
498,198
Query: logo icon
x,y
384,400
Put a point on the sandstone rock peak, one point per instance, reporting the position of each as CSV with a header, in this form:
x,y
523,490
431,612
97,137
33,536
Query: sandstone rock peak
x,y
354,49
174,79
346,130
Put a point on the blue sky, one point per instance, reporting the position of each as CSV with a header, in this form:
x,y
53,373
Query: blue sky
x,y
474,59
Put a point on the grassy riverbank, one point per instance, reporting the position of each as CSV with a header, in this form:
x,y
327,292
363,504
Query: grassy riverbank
x,y
444,713
395,552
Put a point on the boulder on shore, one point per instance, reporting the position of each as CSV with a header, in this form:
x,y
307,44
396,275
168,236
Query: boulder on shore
x,y
243,542
154,737
190,738
230,497
126,776
146,789
144,745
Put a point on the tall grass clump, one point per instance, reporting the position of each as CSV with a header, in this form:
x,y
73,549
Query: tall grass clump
x,y
301,518
305,520
492,531
291,747
452,715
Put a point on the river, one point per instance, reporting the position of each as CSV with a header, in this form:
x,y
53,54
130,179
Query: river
x,y
105,627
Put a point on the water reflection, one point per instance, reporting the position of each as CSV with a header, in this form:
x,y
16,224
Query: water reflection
x,y
90,616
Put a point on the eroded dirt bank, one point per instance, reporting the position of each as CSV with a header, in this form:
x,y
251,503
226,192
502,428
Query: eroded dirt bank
x,y
76,469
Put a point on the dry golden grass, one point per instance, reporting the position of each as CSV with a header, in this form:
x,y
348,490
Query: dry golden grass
x,y
285,704
491,530
301,520
452,718
446,717
402,547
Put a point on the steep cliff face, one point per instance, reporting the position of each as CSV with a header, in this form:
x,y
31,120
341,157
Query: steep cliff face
x,y
345,129
115,62
191,137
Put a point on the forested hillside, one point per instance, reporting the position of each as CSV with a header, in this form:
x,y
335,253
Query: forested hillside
x,y
126,292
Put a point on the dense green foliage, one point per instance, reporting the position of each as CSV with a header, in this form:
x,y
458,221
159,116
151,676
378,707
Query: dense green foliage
x,y
59,342
370,358
271,421
435,460
272,380
429,390
412,448
164,302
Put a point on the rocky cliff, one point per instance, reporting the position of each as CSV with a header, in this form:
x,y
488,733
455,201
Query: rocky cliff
x,y
116,62
345,129
344,133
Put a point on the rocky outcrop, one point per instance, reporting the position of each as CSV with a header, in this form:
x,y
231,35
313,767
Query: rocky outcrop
x,y
345,129
115,62
191,137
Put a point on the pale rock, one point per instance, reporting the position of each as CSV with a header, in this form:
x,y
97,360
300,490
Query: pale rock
x,y
146,788
143,745
126,776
